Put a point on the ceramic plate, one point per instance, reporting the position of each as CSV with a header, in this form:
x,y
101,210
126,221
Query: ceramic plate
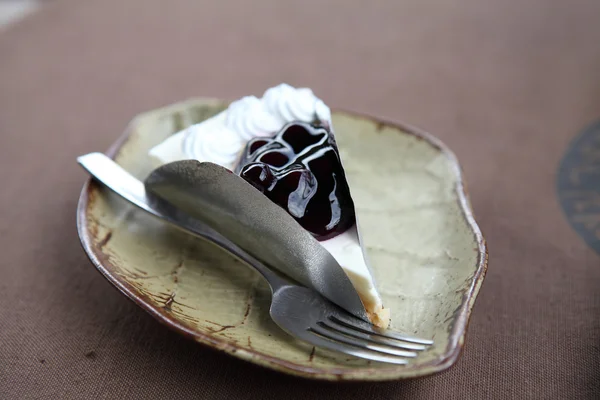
x,y
426,251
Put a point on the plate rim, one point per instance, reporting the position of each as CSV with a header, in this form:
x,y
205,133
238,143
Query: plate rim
x,y
459,326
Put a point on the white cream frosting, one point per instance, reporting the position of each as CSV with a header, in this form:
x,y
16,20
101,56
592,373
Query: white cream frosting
x,y
221,139
289,104
249,118
212,142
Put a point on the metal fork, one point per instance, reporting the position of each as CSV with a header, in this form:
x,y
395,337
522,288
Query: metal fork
x,y
300,311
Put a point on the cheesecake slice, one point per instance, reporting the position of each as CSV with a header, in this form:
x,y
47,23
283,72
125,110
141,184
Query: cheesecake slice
x,y
283,144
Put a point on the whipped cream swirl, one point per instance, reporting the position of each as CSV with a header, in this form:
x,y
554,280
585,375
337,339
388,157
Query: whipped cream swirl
x,y
220,146
288,104
249,118
221,139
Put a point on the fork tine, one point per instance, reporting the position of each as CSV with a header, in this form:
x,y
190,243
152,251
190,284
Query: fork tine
x,y
365,344
352,322
322,341
373,338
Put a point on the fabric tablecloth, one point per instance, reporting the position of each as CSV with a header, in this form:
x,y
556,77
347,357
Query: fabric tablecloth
x,y
506,84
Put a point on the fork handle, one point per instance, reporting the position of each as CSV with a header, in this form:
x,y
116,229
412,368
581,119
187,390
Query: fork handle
x,y
113,176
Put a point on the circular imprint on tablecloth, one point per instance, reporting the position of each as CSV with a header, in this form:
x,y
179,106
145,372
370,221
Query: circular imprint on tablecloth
x,y
578,185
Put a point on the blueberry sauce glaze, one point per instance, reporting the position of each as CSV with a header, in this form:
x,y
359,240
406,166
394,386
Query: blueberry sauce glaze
x,y
300,170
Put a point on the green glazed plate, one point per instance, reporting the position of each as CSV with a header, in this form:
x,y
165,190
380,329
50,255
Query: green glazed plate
x,y
426,252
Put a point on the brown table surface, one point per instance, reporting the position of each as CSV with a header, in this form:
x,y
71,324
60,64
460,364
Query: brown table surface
x,y
506,84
